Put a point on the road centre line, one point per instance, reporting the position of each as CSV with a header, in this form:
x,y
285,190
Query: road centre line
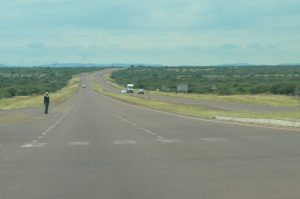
x,y
124,119
159,138
124,142
79,143
136,125
150,132
215,139
58,121
32,145
28,145
168,140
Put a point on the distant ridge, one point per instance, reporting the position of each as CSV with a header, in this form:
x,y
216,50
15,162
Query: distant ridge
x,y
289,64
237,64
124,65
71,65
59,65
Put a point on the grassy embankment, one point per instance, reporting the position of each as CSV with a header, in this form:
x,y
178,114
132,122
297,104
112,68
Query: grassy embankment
x,y
271,100
34,101
196,111
108,78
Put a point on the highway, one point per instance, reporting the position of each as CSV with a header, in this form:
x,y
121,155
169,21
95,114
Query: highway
x,y
93,147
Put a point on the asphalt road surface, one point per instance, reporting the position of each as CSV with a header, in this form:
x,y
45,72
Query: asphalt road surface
x,y
198,102
96,147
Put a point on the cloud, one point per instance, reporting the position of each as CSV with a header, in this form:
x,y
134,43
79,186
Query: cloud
x,y
165,31
36,45
230,46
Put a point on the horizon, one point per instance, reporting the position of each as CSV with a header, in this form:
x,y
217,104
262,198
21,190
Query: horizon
x,y
166,32
127,65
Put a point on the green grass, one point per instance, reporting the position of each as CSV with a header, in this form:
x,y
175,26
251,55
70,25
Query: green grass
x,y
36,101
261,99
272,100
196,111
108,78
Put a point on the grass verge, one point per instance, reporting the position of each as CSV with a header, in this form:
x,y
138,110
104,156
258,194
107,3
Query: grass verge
x,y
266,99
196,111
271,100
12,118
35,101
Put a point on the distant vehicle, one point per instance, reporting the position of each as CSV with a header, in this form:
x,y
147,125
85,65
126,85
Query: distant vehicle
x,y
141,91
123,91
83,86
130,88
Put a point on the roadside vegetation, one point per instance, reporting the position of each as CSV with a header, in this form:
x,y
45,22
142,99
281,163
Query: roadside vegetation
x,y
37,100
217,80
25,87
190,110
37,80
260,99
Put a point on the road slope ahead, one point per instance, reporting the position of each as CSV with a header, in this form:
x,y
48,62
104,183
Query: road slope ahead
x,y
102,148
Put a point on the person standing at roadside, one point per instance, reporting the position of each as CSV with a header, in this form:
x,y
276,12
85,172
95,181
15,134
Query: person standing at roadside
x,y
46,102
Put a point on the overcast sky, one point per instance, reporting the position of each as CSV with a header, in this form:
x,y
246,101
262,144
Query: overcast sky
x,y
169,32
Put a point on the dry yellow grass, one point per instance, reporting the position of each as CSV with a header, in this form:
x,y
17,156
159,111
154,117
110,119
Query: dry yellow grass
x,y
263,99
197,111
8,119
35,101
273,100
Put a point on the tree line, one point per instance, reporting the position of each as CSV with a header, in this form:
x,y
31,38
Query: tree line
x,y
215,79
36,80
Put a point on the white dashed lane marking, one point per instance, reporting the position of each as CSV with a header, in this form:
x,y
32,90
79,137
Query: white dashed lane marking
x,y
168,140
80,143
159,138
150,132
33,145
124,142
215,139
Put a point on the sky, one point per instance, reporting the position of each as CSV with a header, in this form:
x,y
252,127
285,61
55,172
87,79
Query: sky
x,y
167,32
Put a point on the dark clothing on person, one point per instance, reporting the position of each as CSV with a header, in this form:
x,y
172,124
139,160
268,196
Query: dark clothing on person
x,y
46,103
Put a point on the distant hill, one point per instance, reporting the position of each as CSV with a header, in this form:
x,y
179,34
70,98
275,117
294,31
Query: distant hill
x,y
237,64
86,65
124,65
290,64
72,65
